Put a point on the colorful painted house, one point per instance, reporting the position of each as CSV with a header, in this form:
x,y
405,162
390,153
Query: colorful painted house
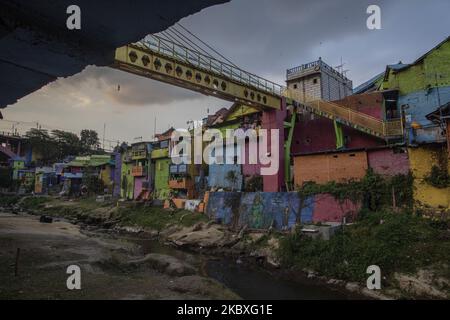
x,y
228,174
424,93
45,179
101,166
160,155
142,170
423,86
126,177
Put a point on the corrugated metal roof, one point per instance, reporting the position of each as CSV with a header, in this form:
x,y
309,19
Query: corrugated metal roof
x,y
91,161
366,85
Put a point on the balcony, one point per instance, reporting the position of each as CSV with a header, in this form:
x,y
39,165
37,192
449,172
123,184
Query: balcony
x,y
160,153
139,155
184,183
138,171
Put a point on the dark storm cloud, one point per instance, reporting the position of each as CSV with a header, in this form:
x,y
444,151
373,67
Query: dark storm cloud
x,y
278,33
269,36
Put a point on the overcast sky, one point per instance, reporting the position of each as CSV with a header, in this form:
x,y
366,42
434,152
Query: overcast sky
x,y
264,37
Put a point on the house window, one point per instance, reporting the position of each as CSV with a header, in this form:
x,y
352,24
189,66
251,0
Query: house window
x,y
315,81
295,86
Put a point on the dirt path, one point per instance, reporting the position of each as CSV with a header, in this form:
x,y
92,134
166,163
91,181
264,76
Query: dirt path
x,y
46,250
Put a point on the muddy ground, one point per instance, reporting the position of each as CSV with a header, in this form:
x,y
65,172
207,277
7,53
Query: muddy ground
x,y
110,268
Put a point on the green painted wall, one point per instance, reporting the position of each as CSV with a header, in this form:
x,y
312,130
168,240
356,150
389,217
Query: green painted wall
x,y
127,181
162,178
432,71
17,165
241,111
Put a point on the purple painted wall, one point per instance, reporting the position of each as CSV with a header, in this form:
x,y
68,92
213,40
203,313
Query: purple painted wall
x,y
389,162
117,174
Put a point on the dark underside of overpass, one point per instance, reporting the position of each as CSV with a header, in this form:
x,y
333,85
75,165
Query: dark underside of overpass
x,y
37,48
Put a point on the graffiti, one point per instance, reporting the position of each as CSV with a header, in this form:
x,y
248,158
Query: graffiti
x,y
279,210
257,210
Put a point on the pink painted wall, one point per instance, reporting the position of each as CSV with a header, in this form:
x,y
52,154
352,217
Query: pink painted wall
x,y
274,119
388,161
328,209
250,169
318,135
138,186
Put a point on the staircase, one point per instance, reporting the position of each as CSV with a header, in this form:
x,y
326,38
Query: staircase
x,y
385,129
7,152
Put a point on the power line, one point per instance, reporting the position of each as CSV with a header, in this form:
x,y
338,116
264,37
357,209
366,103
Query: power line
x,y
207,45
48,127
189,42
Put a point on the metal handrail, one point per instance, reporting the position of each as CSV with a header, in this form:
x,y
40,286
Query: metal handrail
x,y
201,61
384,128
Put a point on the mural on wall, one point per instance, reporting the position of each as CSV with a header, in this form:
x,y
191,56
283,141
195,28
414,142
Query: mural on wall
x,y
280,210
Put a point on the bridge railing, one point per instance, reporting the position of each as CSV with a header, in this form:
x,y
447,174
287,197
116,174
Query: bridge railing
x,y
379,127
214,66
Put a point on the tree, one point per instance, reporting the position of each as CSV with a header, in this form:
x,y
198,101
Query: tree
x,y
43,144
68,143
89,140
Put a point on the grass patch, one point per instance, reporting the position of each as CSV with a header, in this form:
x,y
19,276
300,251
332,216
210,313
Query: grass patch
x,y
34,202
8,200
397,242
158,218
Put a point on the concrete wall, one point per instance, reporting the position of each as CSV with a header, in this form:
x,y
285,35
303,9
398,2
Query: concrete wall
x,y
323,168
334,87
389,162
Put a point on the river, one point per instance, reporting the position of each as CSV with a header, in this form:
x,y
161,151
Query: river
x,y
247,280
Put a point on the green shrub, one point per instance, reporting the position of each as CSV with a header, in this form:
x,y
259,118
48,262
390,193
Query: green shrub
x,y
394,241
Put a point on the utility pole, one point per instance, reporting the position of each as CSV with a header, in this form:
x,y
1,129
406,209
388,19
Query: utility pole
x,y
104,133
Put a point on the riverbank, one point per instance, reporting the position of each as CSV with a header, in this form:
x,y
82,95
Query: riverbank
x,y
394,242
111,268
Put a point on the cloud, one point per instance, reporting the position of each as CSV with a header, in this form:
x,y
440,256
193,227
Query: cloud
x,y
122,88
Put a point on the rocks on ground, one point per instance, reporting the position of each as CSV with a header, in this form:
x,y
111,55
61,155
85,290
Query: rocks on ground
x,y
424,284
197,285
165,264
